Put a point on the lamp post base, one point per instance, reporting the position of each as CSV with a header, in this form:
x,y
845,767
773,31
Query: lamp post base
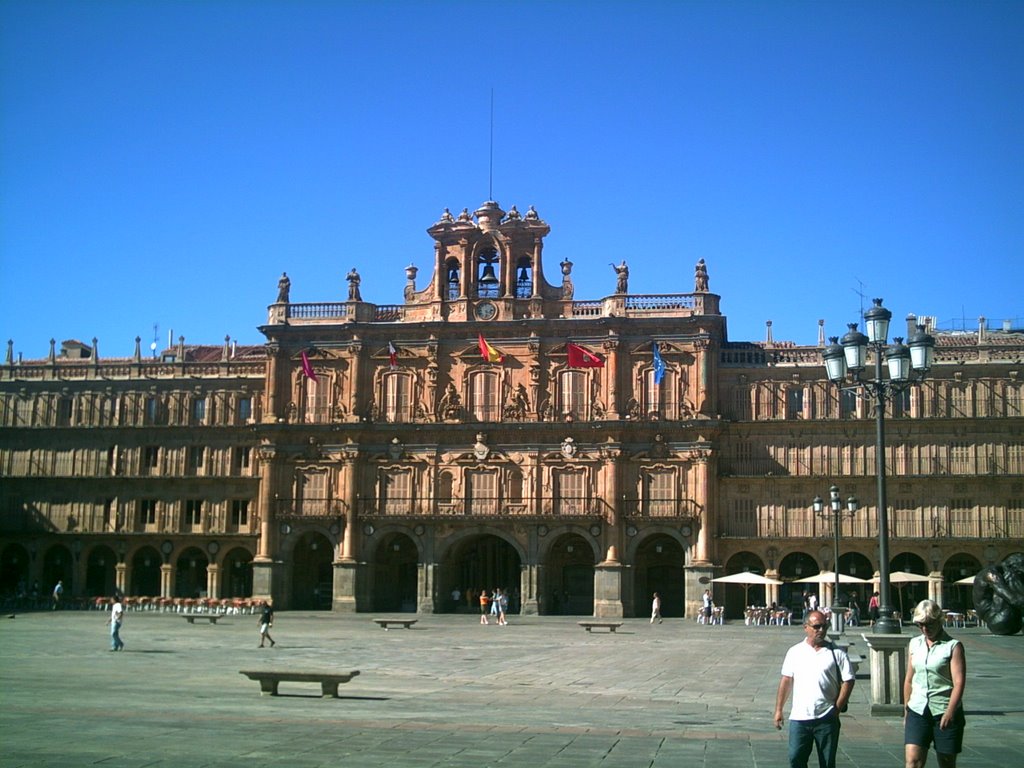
x,y
838,619
888,656
887,626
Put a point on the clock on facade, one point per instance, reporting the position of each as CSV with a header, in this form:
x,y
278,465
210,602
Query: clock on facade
x,y
486,310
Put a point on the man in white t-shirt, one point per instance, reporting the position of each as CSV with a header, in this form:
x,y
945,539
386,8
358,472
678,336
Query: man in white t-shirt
x,y
116,617
820,677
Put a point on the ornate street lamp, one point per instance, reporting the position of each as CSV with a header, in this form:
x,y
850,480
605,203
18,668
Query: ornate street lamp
x,y
845,362
836,512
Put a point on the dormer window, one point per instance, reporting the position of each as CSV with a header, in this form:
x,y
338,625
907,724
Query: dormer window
x,y
487,283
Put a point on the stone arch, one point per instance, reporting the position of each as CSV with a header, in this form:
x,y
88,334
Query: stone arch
x,y
481,558
14,562
312,575
144,576
959,597
659,560
190,576
796,565
395,577
236,573
100,572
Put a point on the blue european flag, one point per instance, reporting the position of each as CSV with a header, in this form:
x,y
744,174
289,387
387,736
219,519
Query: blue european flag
x,y
659,364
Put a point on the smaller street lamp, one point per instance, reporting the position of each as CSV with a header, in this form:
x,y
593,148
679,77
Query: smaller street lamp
x,y
836,512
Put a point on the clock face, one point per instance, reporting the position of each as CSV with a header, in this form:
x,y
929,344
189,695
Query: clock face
x,y
485,310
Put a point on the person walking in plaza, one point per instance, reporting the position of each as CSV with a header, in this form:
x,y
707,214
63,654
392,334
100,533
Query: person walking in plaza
x,y
873,608
58,595
502,601
266,622
495,604
933,690
820,677
485,606
116,618
707,606
656,608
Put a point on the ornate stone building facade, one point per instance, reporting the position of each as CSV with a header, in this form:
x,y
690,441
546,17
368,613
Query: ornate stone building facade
x,y
494,431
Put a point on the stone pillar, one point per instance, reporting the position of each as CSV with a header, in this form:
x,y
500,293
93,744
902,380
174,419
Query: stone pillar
x,y
608,587
888,655
166,580
346,569
611,353
529,586
355,347
425,581
121,578
697,579
706,524
213,580
934,590
772,590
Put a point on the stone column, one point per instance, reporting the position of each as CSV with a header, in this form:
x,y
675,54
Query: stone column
x,y
934,589
121,578
529,584
263,564
611,353
425,580
166,580
706,523
346,568
888,655
213,580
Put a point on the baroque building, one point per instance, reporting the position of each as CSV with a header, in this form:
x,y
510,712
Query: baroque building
x,y
495,431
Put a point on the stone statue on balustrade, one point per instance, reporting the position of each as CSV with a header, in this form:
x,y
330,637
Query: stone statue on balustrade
x,y
700,277
284,286
622,277
353,285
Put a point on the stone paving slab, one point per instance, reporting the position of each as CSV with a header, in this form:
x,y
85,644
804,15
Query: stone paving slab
x,y
447,692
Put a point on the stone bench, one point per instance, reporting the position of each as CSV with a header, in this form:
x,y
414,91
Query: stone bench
x,y
270,679
396,622
210,617
611,626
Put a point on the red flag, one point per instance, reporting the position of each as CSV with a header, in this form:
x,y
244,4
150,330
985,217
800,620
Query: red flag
x,y
489,353
582,358
307,368
392,356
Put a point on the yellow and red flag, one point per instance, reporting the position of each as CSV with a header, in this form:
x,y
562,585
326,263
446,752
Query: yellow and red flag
x,y
489,353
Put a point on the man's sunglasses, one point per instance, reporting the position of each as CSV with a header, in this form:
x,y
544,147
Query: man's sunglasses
x,y
816,626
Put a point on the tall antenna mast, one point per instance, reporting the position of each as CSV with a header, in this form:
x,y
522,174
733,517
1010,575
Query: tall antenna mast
x,y
490,170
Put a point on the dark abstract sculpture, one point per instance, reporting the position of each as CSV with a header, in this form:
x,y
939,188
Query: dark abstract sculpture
x,y
999,596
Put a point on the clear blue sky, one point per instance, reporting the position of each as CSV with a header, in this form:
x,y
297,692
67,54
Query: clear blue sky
x,y
164,162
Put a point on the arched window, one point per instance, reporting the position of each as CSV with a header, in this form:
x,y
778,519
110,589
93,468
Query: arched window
x,y
570,492
658,400
659,492
572,395
397,397
317,404
396,491
483,396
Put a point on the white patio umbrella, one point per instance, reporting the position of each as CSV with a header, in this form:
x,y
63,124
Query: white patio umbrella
x,y
829,577
966,580
747,579
905,577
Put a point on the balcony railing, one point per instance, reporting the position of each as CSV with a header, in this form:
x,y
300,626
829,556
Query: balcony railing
x,y
545,507
310,508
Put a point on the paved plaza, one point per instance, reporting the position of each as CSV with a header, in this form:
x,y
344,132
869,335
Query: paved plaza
x,y
447,692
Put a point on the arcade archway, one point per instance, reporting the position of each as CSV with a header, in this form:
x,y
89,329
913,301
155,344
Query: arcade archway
x,y
568,588
395,569
144,579
99,572
312,574
483,562
660,562
190,573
